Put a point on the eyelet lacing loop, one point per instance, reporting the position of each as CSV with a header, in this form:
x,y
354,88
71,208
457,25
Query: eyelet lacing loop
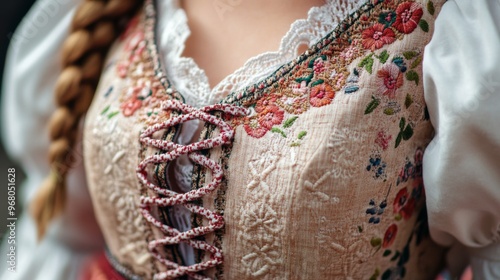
x,y
171,198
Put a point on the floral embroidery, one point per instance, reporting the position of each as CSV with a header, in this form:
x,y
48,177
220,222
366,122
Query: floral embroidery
x,y
319,66
319,74
377,167
293,101
411,170
377,36
321,95
376,211
142,96
271,116
253,128
390,79
390,236
404,204
383,140
261,222
130,106
408,16
341,142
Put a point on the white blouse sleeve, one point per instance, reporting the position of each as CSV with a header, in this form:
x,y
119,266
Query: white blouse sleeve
x,y
462,163
27,102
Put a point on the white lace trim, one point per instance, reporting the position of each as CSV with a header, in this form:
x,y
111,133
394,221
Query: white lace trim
x,y
191,80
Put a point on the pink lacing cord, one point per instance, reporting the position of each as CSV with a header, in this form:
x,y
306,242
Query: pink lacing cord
x,y
171,198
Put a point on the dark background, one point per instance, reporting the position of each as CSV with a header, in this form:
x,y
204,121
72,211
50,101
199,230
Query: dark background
x,y
11,13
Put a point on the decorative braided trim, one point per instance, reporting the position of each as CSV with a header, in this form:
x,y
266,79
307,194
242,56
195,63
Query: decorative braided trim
x,y
168,198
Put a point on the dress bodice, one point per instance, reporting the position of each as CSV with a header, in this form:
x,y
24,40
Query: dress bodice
x,y
313,172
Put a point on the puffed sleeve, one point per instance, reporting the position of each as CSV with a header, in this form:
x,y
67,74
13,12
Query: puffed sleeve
x,y
31,71
462,163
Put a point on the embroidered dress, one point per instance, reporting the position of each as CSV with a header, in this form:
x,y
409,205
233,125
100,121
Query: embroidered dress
x,y
314,171
321,177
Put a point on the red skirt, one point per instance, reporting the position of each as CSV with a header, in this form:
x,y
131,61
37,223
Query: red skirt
x,y
99,268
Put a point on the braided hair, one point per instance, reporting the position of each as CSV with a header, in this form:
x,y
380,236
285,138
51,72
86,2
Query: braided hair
x,y
95,26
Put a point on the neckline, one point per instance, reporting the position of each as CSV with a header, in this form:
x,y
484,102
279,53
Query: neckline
x,y
181,69
252,91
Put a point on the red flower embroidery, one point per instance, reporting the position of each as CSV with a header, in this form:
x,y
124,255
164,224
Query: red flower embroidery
x,y
321,95
408,16
319,66
131,26
390,236
419,156
404,204
271,116
122,68
383,140
265,103
301,88
134,41
253,128
390,80
377,36
337,80
130,106
418,188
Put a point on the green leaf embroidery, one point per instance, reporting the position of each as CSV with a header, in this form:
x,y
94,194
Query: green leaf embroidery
x,y
405,255
306,79
105,110
402,123
410,54
389,111
375,275
387,253
430,8
318,82
384,56
387,274
398,217
416,62
295,144
367,63
302,134
408,101
376,242
372,105
311,62
279,131
407,133
412,76
288,123
112,114
398,141
424,25
396,256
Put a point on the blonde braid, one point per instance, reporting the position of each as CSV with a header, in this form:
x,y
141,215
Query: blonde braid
x,y
94,28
